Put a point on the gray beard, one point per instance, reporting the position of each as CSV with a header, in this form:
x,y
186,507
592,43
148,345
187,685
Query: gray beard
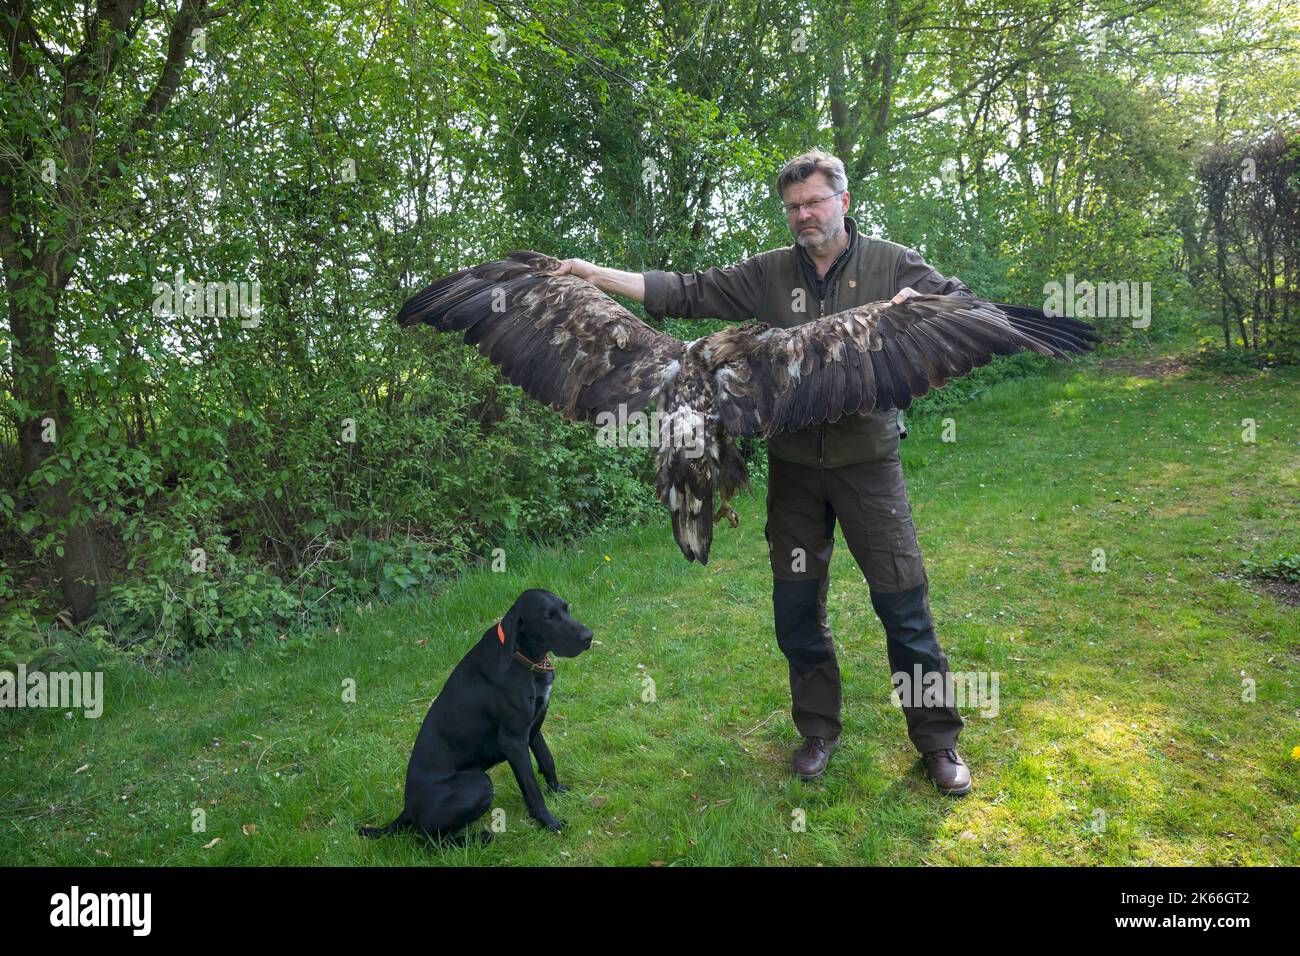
x,y
824,246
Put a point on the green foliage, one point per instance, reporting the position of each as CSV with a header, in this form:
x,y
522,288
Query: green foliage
x,y
1285,567
187,590
325,457
1212,357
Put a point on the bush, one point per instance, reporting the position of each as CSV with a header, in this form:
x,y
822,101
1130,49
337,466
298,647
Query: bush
x,y
1223,361
189,590
1283,568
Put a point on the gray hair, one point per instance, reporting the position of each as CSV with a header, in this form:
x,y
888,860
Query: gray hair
x,y
813,161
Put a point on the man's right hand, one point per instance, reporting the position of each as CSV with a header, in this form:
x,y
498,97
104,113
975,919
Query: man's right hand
x,y
630,284
576,267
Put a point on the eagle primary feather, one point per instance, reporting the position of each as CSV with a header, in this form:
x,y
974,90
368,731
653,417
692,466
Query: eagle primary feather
x,y
567,344
559,338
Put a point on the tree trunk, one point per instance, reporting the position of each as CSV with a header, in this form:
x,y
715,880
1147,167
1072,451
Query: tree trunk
x,y
79,568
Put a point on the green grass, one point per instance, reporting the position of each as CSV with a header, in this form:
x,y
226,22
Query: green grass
x,y
1120,691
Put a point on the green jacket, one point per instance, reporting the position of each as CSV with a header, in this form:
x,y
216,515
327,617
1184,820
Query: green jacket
x,y
781,287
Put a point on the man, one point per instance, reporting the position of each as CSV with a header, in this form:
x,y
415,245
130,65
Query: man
x,y
847,470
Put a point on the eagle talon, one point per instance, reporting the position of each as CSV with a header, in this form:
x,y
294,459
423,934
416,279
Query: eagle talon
x,y
729,513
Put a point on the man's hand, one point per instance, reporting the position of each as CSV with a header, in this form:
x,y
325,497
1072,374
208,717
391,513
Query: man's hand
x,y
630,284
902,295
576,267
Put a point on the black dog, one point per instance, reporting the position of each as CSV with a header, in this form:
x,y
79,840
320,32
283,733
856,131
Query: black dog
x,y
491,709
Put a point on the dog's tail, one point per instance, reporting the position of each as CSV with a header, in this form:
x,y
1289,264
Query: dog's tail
x,y
373,833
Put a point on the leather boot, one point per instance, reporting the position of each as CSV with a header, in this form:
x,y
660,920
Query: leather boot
x,y
810,760
948,771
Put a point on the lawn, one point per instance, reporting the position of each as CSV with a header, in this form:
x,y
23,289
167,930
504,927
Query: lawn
x,y
1121,735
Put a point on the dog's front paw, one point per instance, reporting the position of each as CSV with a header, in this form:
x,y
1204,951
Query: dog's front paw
x,y
556,787
551,823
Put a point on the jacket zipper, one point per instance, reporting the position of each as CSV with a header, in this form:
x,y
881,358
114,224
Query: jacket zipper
x,y
821,429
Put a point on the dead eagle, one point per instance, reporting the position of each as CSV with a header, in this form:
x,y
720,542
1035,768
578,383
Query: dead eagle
x,y
567,344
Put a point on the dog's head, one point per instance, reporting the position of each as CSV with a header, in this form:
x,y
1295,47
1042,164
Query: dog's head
x,y
539,623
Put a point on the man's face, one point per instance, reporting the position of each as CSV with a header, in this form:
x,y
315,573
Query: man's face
x,y
816,227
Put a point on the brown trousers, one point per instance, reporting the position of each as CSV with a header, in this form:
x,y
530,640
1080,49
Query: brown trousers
x,y
870,502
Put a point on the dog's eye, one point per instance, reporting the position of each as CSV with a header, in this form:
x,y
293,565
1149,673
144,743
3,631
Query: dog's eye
x,y
553,614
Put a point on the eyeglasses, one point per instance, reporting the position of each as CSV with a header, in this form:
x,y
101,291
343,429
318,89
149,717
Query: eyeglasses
x,y
793,207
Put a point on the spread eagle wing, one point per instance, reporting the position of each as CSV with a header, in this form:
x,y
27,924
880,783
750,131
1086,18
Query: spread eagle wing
x,y
559,338
880,355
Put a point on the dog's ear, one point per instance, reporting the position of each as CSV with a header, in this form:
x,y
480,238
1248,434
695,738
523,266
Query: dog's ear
x,y
507,633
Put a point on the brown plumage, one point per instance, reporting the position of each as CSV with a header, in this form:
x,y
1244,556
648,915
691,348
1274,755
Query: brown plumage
x,y
567,344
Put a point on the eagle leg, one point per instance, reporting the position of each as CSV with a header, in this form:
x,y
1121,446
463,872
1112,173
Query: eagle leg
x,y
729,512
733,477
